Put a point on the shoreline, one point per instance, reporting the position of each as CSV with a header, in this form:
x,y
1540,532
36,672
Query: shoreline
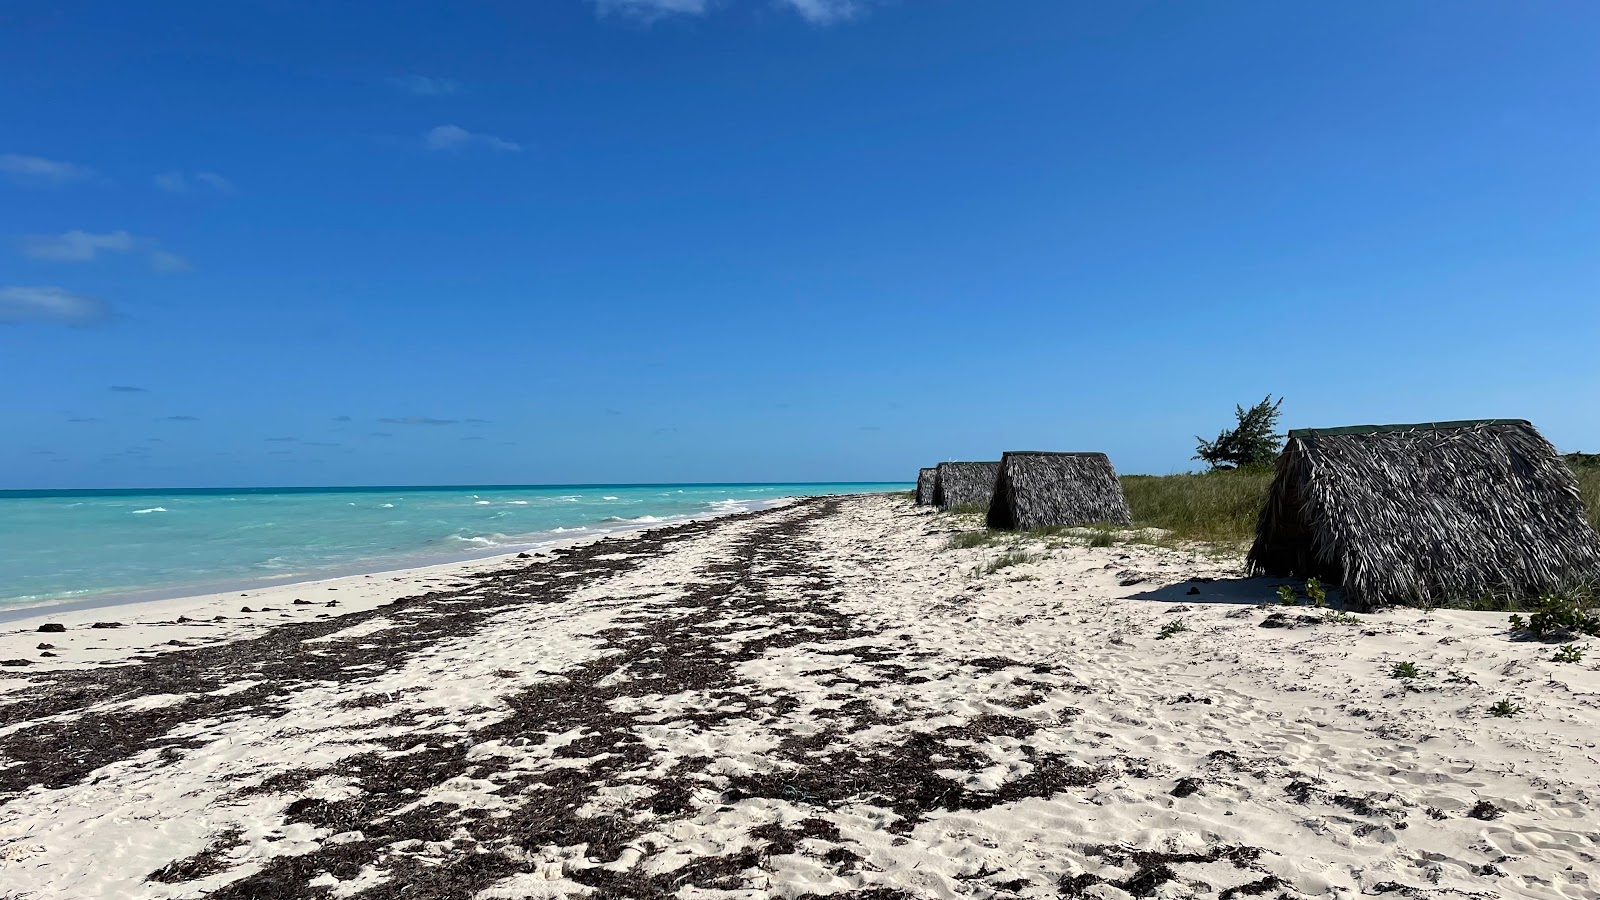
x,y
10,613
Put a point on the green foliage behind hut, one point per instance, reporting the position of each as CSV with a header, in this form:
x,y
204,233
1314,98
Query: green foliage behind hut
x,y
925,479
1041,490
964,485
1426,514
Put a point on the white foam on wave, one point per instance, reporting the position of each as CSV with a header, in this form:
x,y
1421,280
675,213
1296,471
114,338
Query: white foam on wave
x,y
387,506
642,520
140,512
517,502
559,530
483,503
608,498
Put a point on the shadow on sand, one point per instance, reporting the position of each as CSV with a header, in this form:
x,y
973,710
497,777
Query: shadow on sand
x,y
1241,591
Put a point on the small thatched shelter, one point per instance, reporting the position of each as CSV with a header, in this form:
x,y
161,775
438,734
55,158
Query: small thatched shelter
x,y
925,479
964,485
1039,490
1426,513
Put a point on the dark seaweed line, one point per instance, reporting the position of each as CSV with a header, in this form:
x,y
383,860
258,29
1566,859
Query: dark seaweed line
x,y
59,754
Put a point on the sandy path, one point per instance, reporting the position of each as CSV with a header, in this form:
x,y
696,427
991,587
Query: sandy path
x,y
819,700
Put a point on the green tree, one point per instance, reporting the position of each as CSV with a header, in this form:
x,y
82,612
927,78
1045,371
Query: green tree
x,y
1252,444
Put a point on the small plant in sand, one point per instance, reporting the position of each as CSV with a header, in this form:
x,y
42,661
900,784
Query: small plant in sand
x,y
1336,617
1504,709
1176,626
1559,614
1569,653
1286,595
1317,593
1101,538
967,540
1007,560
1406,670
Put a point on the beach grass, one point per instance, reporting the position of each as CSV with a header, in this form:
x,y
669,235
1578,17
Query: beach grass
x,y
1589,487
1213,507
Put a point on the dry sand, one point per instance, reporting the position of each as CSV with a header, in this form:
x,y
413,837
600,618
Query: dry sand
x,y
821,699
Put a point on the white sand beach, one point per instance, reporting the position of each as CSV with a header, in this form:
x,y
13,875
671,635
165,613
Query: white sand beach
x,y
819,700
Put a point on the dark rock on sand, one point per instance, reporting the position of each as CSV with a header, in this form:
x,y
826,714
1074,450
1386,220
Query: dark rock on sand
x,y
47,653
524,556
299,602
1192,591
16,662
53,627
107,625
246,609
45,647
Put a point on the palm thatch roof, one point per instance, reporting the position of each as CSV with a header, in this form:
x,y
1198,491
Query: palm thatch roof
x,y
1040,490
964,485
1426,514
925,479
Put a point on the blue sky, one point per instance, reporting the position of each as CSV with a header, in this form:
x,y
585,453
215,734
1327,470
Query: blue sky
x,y
661,240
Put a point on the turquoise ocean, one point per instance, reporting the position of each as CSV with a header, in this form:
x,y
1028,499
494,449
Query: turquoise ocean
x,y
60,546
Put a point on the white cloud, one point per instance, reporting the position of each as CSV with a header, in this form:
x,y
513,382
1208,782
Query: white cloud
x,y
454,137
50,305
166,261
38,170
83,246
179,183
650,10
823,12
423,86
76,246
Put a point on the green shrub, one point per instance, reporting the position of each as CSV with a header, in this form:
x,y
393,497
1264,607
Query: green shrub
x,y
1176,626
966,540
1504,709
1335,617
1317,593
1252,443
1569,653
1559,614
1406,670
1286,595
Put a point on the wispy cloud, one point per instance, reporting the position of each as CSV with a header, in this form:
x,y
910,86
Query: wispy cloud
x,y
824,12
84,246
650,10
183,418
341,418
281,440
76,246
381,434
83,419
817,12
184,183
456,138
417,420
38,170
50,305
128,389
423,86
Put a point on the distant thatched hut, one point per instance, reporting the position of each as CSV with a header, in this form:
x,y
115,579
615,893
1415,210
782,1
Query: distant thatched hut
x,y
1038,490
1426,513
925,479
964,485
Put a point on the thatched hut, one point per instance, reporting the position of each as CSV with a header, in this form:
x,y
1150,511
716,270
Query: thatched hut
x,y
964,485
1039,490
1426,513
925,479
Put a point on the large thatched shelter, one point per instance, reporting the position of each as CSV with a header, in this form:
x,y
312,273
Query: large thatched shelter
x,y
1039,490
964,485
925,479
1426,513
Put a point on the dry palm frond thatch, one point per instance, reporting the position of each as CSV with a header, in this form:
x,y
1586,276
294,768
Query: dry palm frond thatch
x,y
925,478
1039,490
1426,514
964,485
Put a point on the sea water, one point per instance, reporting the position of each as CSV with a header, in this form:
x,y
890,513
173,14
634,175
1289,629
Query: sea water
x,y
82,545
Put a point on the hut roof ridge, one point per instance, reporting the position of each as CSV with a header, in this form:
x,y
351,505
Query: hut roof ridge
x,y
1390,429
